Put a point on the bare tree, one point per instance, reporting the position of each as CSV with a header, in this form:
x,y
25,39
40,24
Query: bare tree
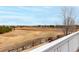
x,y
69,20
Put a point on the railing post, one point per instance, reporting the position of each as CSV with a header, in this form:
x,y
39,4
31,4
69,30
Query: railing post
x,y
68,46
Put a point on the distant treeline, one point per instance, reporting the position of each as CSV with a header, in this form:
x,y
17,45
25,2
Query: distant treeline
x,y
4,28
52,26
55,26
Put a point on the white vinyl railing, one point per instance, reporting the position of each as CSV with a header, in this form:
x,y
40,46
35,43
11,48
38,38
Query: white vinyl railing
x,y
69,43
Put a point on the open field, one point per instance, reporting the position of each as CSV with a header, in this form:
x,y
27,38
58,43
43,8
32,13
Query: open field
x,y
21,39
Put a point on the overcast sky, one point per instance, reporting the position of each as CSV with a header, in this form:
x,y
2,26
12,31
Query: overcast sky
x,y
35,15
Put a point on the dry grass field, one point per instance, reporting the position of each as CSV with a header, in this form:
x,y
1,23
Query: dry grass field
x,y
21,38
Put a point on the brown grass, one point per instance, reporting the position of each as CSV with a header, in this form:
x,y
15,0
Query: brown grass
x,y
21,37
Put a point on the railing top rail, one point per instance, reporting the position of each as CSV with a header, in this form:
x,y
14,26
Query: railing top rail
x,y
51,44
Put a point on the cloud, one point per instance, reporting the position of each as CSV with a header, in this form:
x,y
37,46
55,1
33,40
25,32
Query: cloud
x,y
15,20
29,15
38,11
7,12
36,8
23,18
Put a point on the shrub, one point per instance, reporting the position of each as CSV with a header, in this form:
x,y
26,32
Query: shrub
x,y
4,29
